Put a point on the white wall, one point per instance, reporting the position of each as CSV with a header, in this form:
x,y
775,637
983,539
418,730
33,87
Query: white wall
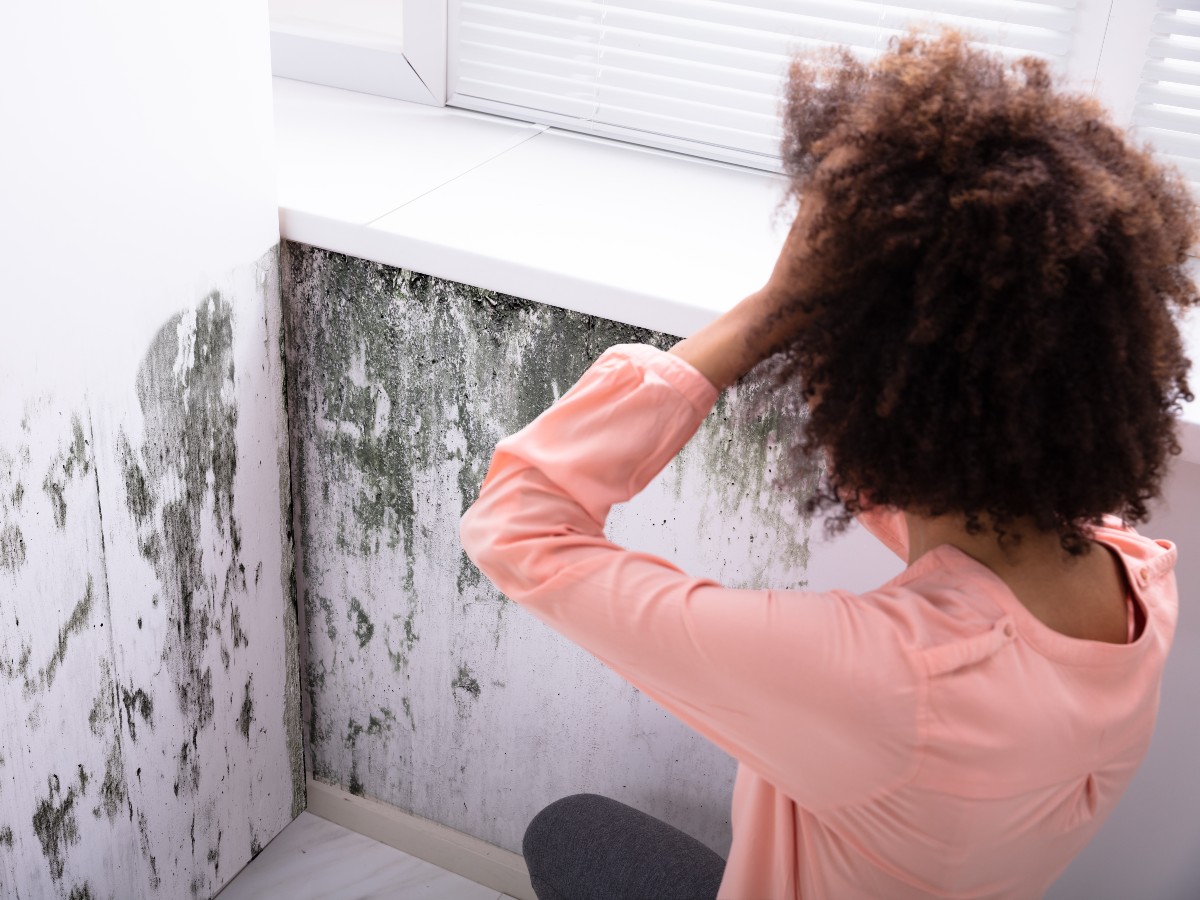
x,y
146,628
1150,847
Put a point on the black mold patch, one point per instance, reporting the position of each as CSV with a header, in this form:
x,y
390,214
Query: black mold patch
x,y
178,486
113,793
105,704
464,683
81,892
6,836
75,623
247,714
12,547
136,701
55,825
214,855
144,841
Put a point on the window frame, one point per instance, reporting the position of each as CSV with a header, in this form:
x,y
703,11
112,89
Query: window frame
x,y
414,70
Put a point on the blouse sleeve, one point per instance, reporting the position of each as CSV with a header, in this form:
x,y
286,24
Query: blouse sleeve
x,y
815,691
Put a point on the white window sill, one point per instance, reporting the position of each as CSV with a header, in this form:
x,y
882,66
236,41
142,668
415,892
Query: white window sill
x,y
636,235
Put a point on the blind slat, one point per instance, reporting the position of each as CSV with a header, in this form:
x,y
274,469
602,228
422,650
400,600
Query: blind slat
x,y
712,70
1167,104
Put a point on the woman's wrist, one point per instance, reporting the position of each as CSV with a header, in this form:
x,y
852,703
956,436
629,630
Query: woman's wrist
x,y
724,350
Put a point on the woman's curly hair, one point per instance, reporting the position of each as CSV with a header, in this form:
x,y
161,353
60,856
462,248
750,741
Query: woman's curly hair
x,y
992,278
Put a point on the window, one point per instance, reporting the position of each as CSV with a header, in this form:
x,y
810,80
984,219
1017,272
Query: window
x,y
702,76
1166,104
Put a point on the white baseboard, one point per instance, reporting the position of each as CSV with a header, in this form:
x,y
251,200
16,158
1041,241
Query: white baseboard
x,y
452,850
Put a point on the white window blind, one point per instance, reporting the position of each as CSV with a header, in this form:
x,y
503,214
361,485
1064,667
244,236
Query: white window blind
x,y
697,76
1167,109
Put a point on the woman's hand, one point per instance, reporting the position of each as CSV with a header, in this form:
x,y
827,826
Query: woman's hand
x,y
734,343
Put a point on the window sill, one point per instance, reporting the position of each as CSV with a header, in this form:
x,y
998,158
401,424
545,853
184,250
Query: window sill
x,y
640,236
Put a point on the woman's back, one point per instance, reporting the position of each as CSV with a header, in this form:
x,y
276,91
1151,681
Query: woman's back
x,y
1028,738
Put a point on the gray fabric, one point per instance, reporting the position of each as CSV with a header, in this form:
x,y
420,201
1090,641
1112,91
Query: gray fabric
x,y
588,847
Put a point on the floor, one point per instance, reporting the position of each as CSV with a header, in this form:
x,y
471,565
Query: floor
x,y
315,859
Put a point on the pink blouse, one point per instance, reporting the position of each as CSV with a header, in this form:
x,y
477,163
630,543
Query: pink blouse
x,y
928,738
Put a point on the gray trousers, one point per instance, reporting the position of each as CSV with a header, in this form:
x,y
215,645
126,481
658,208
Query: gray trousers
x,y
588,847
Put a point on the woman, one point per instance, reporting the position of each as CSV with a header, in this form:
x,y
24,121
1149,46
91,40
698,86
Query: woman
x,y
976,300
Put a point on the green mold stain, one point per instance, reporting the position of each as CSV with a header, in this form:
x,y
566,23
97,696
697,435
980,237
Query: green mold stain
x,y
408,713
400,657
327,608
364,629
75,623
63,467
399,380
12,493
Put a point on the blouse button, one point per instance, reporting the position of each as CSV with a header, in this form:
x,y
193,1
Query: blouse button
x,y
1008,630
1144,575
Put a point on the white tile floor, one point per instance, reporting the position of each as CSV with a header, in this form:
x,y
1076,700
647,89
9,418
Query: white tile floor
x,y
315,859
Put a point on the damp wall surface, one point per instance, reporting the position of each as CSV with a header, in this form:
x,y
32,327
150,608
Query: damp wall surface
x,y
148,667
423,686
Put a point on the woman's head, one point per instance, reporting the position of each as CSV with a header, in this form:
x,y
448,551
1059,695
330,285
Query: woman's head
x,y
991,274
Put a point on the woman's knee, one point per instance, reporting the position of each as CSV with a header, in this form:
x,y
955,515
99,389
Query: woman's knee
x,y
556,828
